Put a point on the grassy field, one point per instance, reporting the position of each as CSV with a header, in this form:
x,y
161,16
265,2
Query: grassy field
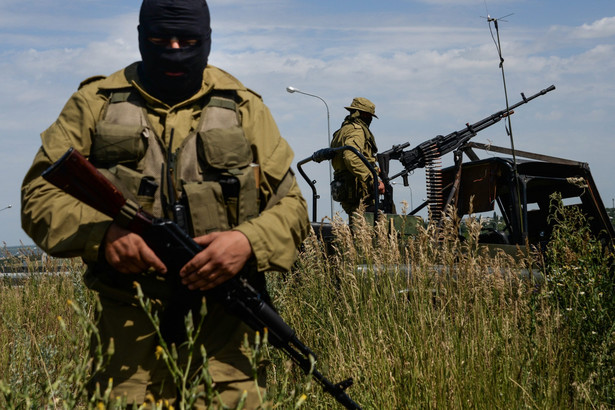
x,y
426,322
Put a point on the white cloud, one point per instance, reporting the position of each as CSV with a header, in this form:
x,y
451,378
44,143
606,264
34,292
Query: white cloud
x,y
602,28
566,37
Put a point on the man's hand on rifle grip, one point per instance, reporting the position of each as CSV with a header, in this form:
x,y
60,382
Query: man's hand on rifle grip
x,y
127,252
223,256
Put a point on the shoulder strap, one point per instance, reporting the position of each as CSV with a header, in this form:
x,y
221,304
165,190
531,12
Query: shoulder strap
x,y
91,80
221,111
126,107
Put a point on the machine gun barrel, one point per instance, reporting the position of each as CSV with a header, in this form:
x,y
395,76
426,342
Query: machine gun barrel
x,y
435,147
415,158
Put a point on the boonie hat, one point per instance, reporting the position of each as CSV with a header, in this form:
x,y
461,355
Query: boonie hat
x,y
363,104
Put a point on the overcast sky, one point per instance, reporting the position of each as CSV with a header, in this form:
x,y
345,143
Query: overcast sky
x,y
430,67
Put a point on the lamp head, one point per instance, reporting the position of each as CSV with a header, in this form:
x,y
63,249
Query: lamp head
x,y
291,89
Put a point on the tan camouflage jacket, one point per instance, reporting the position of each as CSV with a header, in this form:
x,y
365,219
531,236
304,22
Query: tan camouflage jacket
x,y
64,227
357,135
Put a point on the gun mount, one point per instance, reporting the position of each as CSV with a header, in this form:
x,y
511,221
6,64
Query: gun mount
x,y
521,192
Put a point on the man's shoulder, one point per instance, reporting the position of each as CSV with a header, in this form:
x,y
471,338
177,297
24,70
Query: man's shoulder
x,y
222,80
91,80
120,79
351,127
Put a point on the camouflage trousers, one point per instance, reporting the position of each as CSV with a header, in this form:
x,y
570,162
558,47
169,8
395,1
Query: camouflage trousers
x,y
137,373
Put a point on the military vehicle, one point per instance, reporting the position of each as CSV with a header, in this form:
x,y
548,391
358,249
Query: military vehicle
x,y
517,191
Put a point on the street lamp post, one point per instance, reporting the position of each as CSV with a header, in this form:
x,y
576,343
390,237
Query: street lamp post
x,y
6,207
294,90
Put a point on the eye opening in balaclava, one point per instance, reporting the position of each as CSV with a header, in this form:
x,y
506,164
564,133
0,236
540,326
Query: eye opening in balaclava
x,y
173,74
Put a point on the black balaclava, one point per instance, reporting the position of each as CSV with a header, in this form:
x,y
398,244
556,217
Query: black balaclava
x,y
184,19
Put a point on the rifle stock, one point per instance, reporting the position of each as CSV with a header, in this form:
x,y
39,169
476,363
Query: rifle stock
x,y
79,178
75,175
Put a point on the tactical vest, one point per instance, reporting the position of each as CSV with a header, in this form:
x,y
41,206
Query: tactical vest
x,y
211,173
346,187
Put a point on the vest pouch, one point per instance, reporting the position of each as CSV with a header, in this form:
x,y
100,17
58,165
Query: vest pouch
x,y
206,207
118,143
224,148
338,191
226,156
133,185
345,188
230,191
240,195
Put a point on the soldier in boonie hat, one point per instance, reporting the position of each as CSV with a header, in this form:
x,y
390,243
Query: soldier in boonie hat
x,y
362,104
353,183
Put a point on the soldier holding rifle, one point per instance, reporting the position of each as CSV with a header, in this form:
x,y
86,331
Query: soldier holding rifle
x,y
183,140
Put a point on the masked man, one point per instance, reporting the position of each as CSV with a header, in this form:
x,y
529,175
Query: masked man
x,y
171,118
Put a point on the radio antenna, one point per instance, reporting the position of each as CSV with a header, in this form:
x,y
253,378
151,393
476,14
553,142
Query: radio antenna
x,y
498,46
509,131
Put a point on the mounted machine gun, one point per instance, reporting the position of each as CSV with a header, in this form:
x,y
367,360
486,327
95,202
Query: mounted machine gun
x,y
427,155
520,190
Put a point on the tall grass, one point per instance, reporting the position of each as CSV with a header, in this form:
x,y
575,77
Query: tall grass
x,y
429,321
44,334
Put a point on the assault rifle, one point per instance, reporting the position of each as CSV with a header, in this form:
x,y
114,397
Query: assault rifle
x,y
75,175
418,156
